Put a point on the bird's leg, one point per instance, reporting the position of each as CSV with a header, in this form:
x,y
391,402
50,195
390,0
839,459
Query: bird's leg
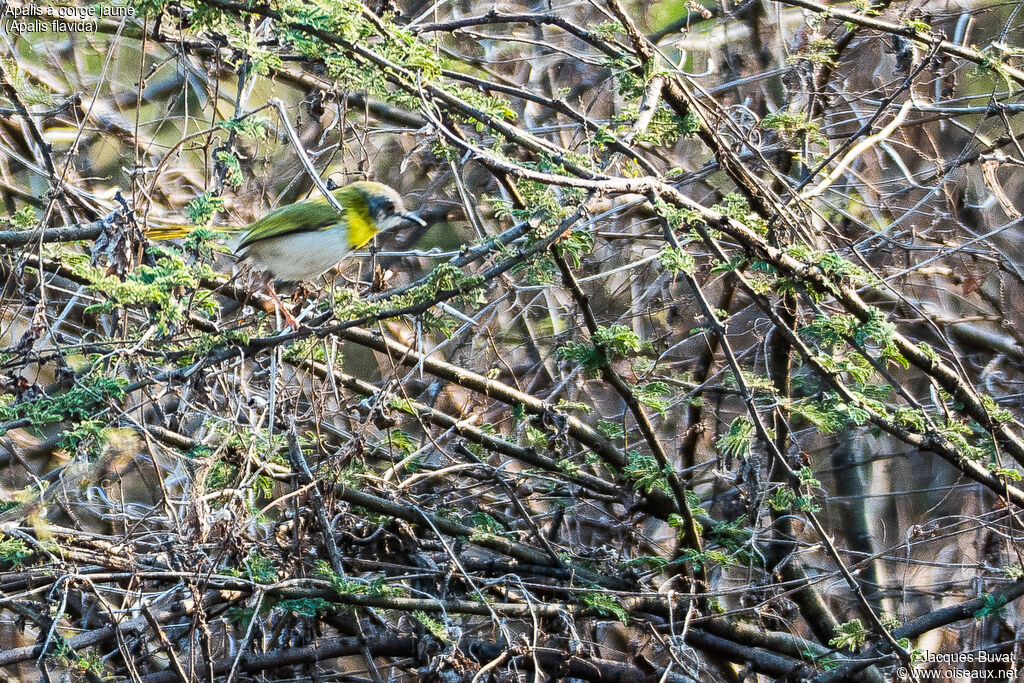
x,y
288,317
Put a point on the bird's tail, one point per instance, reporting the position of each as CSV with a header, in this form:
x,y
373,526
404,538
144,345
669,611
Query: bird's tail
x,y
169,232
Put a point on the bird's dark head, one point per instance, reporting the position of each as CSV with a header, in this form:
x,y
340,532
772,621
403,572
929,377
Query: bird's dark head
x,y
384,206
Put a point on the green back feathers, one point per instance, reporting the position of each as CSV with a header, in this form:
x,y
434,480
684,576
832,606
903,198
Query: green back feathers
x,y
317,214
308,215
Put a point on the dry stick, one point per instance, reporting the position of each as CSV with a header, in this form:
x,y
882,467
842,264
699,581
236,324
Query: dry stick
x,y
516,503
11,93
244,645
899,633
467,430
411,83
780,460
929,440
393,645
450,528
754,245
165,644
812,605
88,639
929,622
591,126
319,507
861,146
701,372
854,152
496,17
849,460
578,429
929,363
293,137
70,233
691,536
316,588
751,242
827,69
468,379
905,31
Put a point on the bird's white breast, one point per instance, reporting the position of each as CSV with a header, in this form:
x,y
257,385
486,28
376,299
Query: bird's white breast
x,y
299,256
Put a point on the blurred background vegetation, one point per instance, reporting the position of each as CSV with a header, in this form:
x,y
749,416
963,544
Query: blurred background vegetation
x,y
706,366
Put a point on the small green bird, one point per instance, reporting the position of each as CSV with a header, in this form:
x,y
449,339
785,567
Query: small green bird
x,y
301,241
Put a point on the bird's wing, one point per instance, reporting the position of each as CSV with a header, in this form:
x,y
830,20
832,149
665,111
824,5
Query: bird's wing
x,y
305,216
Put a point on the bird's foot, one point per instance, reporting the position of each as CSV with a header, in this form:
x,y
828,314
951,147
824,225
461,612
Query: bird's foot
x,y
291,323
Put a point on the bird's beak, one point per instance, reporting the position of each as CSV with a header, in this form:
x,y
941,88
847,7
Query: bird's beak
x,y
414,219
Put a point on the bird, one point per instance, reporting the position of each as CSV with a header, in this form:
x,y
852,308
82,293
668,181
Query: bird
x,y
301,241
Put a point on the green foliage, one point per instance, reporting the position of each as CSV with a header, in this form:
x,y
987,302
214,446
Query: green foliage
x,y
738,440
220,476
344,586
677,218
537,438
629,74
305,607
605,604
232,168
86,664
817,51
610,429
32,91
441,282
485,523
644,472
866,8
24,218
676,261
784,498
488,107
734,537
252,127
917,25
157,288
836,330
793,125
1009,473
736,207
606,30
549,205
400,441
260,568
821,414
617,340
14,551
664,128
992,606
964,439
655,395
435,627
734,263
576,245
645,562
568,406
807,477
851,634
707,558
77,404
202,209
316,28
609,343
